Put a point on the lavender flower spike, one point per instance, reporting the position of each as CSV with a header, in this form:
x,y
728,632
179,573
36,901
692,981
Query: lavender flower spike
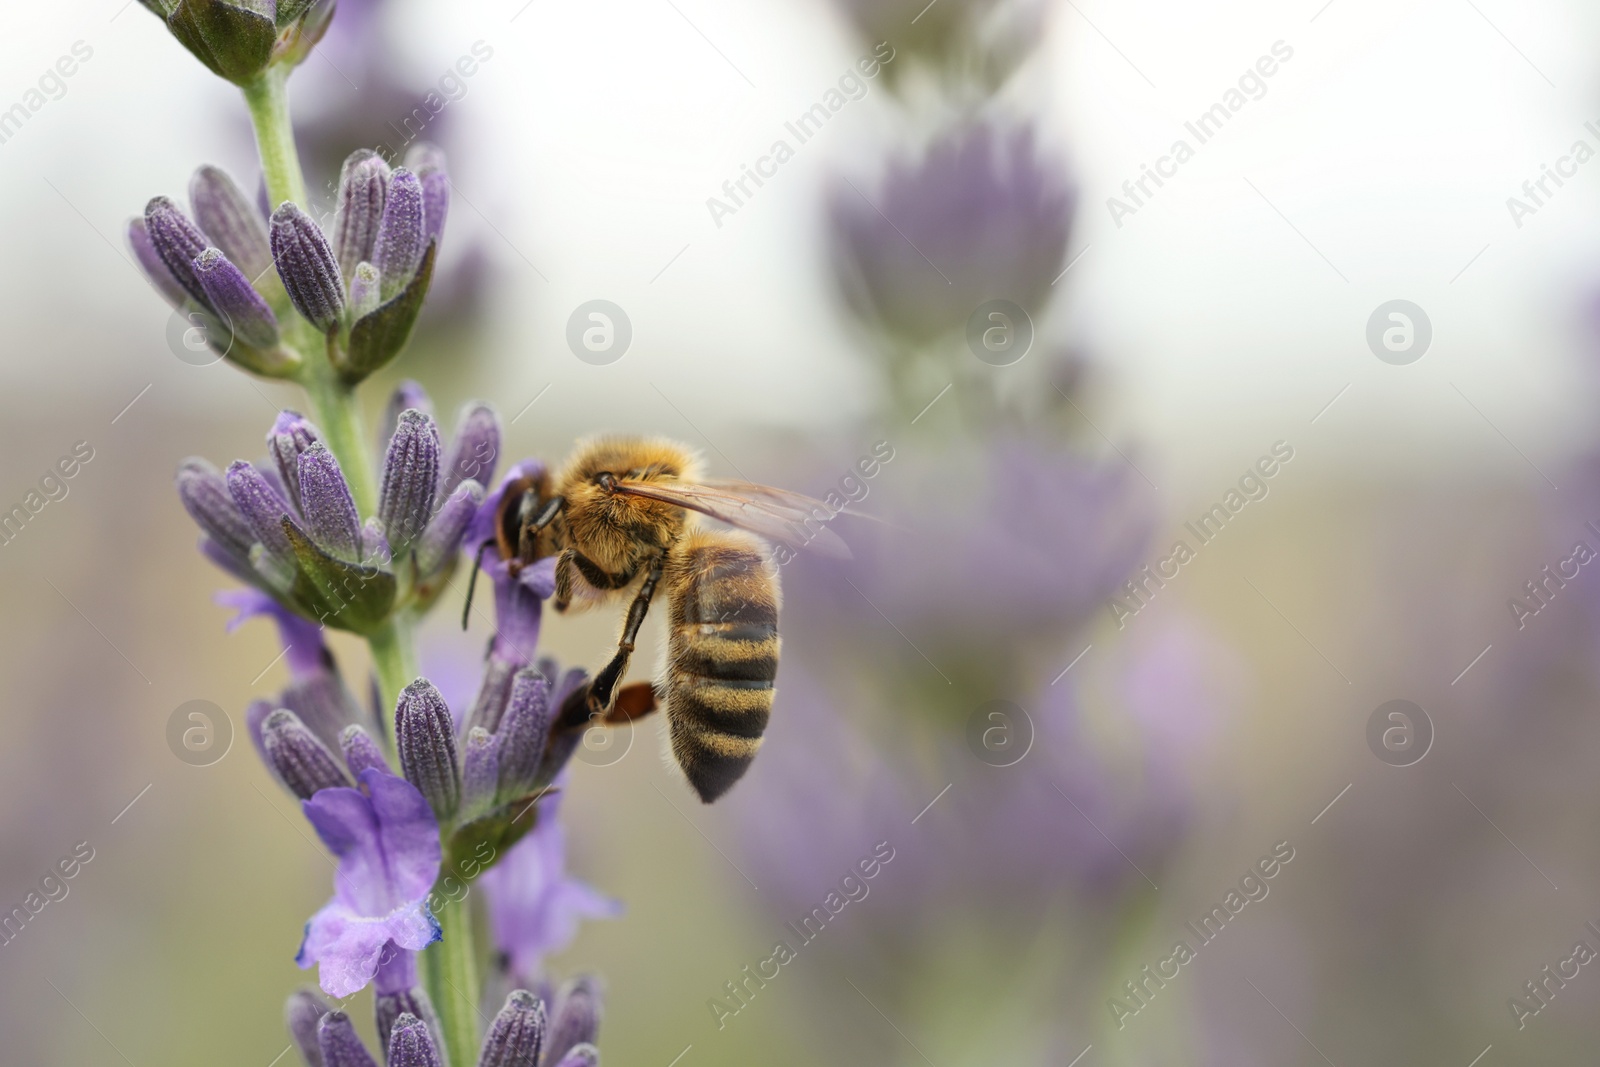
x,y
577,1019
397,995
205,496
339,1044
232,222
329,509
474,449
301,1015
229,293
410,477
427,161
517,1033
262,507
306,264
301,762
523,732
387,842
408,394
363,191
154,267
480,773
177,241
366,290
410,1044
400,243
426,738
292,433
360,751
442,539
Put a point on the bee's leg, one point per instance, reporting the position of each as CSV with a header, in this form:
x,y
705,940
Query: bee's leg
x,y
564,569
530,523
477,563
606,681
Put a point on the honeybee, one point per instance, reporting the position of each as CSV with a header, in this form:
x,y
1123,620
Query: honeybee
x,y
620,518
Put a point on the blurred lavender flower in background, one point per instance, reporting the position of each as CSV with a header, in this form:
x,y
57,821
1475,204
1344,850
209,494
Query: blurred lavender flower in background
x,y
981,215
972,46
534,905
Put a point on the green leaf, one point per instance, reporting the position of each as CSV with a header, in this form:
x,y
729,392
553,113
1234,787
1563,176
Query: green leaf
x,y
347,596
289,10
234,39
378,336
499,830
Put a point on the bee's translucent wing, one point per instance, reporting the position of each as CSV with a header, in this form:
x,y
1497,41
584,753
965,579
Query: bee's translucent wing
x,y
776,514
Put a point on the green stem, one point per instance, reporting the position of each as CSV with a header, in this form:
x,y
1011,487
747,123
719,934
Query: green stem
x,y
450,966
451,971
394,658
268,98
338,416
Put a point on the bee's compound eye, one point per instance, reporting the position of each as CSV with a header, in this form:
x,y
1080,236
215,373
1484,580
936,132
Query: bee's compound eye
x,y
606,480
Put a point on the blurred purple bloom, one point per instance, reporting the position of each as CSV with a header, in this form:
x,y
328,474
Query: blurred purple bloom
x,y
534,905
387,842
1019,535
981,216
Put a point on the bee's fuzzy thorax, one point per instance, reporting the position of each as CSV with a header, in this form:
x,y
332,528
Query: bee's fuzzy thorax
x,y
637,457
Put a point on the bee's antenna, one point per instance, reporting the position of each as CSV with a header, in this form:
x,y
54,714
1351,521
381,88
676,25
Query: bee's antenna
x,y
477,563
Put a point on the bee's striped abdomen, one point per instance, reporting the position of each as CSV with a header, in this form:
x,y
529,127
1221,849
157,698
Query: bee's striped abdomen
x,y
722,655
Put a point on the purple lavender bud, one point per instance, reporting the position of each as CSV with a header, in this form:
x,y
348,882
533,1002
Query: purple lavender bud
x,y
517,1033
232,222
321,701
474,449
177,241
389,1007
339,1043
327,505
425,736
424,156
361,752
410,476
410,1044
301,1014
435,204
306,264
363,190
301,762
401,241
154,267
229,293
366,291
577,1019
585,1055
427,162
523,732
292,433
254,716
408,394
204,493
263,509
493,693
442,539
375,550
480,773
